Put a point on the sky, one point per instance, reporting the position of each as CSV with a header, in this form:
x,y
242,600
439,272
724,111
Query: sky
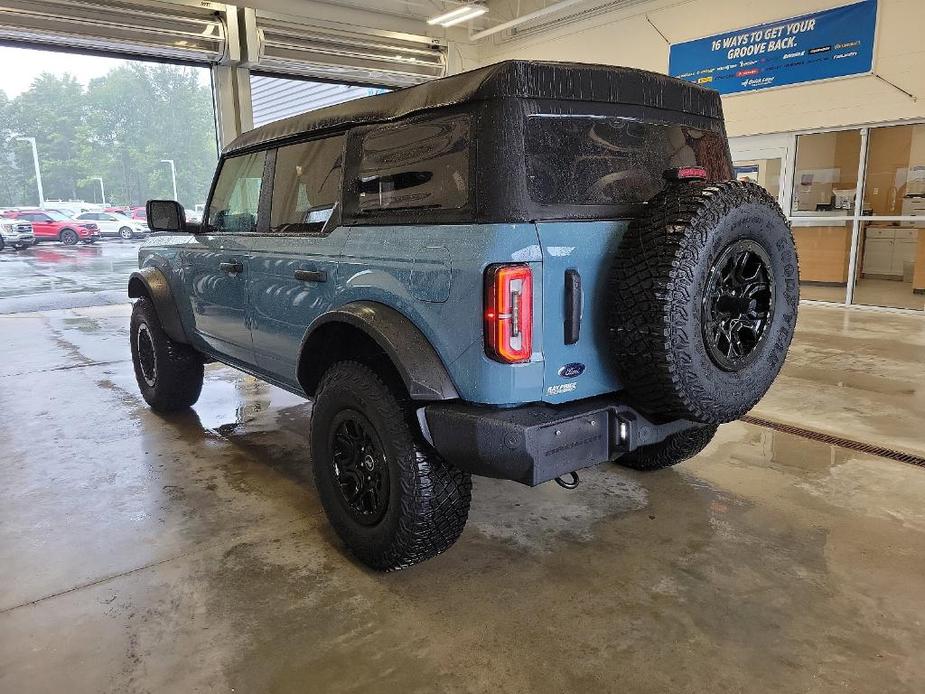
x,y
21,65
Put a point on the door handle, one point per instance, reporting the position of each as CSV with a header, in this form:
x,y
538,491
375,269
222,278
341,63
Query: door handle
x,y
233,267
311,275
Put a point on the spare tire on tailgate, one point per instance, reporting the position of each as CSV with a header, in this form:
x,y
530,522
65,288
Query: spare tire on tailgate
x,y
704,294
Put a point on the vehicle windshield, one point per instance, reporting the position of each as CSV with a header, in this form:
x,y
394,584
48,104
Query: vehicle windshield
x,y
57,216
606,160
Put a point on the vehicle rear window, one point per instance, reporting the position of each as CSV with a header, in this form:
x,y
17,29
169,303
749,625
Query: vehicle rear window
x,y
591,160
415,165
306,184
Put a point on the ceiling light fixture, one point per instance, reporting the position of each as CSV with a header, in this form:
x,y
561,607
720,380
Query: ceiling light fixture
x,y
459,15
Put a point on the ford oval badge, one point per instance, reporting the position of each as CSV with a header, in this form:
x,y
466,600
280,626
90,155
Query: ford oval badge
x,y
573,370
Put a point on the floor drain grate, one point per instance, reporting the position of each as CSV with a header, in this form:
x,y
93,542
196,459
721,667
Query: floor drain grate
x,y
850,444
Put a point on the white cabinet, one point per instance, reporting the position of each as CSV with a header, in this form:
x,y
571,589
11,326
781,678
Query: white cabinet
x,y
887,250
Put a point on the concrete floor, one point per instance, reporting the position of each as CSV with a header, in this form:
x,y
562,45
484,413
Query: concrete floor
x,y
140,553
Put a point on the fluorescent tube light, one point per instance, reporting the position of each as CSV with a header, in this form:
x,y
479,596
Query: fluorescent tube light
x,y
474,11
459,15
440,19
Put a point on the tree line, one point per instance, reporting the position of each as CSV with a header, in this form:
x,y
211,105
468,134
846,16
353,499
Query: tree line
x,y
118,128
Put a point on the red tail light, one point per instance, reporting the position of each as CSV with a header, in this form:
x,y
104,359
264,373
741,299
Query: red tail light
x,y
509,313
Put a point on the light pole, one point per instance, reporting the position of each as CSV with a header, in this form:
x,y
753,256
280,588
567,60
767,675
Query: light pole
x,y
173,175
102,189
35,161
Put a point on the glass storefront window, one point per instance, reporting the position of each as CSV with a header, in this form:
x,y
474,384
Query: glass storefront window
x,y
825,184
824,249
891,252
825,178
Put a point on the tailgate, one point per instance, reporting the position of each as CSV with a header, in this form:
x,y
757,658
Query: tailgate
x,y
582,369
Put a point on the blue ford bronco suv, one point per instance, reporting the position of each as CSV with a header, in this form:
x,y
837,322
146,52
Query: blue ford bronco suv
x,y
516,272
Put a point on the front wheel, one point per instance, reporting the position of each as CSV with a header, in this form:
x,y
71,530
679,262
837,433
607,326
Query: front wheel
x,y
676,448
2,243
169,374
69,237
125,233
391,499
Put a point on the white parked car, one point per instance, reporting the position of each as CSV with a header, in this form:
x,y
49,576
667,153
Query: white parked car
x,y
16,233
115,224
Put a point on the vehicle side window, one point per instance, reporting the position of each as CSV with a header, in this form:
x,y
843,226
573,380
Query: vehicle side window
x,y
306,184
233,209
415,165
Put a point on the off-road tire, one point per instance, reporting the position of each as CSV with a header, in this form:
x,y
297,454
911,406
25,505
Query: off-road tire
x,y
428,500
178,372
673,450
657,287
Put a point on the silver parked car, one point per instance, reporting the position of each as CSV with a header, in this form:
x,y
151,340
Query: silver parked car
x,y
114,224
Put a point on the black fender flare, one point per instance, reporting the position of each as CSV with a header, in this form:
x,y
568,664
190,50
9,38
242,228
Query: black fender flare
x,y
417,362
151,282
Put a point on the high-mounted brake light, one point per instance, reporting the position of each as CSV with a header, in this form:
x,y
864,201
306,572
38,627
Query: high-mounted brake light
x,y
687,173
509,313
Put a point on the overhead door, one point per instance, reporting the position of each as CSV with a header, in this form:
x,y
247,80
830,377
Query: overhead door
x,y
337,54
165,30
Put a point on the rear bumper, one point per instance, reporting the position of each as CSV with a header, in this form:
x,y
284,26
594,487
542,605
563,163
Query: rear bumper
x,y
536,443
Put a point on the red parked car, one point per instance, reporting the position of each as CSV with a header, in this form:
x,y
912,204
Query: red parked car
x,y
51,225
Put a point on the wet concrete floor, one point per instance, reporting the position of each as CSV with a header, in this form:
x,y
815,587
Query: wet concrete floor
x,y
141,553
52,276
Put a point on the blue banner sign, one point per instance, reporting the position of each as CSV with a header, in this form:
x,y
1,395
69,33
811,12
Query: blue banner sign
x,y
817,46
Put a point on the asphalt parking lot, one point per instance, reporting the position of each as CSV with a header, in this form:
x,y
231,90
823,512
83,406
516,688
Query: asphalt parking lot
x,y
54,276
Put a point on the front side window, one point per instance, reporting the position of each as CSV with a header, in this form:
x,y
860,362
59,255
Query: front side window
x,y
607,160
234,205
415,165
306,184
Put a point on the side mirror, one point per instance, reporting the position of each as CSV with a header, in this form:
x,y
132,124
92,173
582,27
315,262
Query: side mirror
x,y
165,215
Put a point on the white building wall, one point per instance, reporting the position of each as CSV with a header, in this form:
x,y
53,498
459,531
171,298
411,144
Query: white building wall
x,y
627,38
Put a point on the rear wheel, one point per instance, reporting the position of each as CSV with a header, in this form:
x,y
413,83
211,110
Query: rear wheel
x,y
391,499
169,374
674,449
2,243
69,237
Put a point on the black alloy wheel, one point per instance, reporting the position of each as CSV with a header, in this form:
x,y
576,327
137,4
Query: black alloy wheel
x,y
147,359
360,467
738,304
69,237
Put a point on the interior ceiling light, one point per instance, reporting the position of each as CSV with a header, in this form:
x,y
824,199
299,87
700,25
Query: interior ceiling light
x,y
459,15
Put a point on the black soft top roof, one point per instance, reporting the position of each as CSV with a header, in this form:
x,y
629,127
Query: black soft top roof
x,y
516,79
